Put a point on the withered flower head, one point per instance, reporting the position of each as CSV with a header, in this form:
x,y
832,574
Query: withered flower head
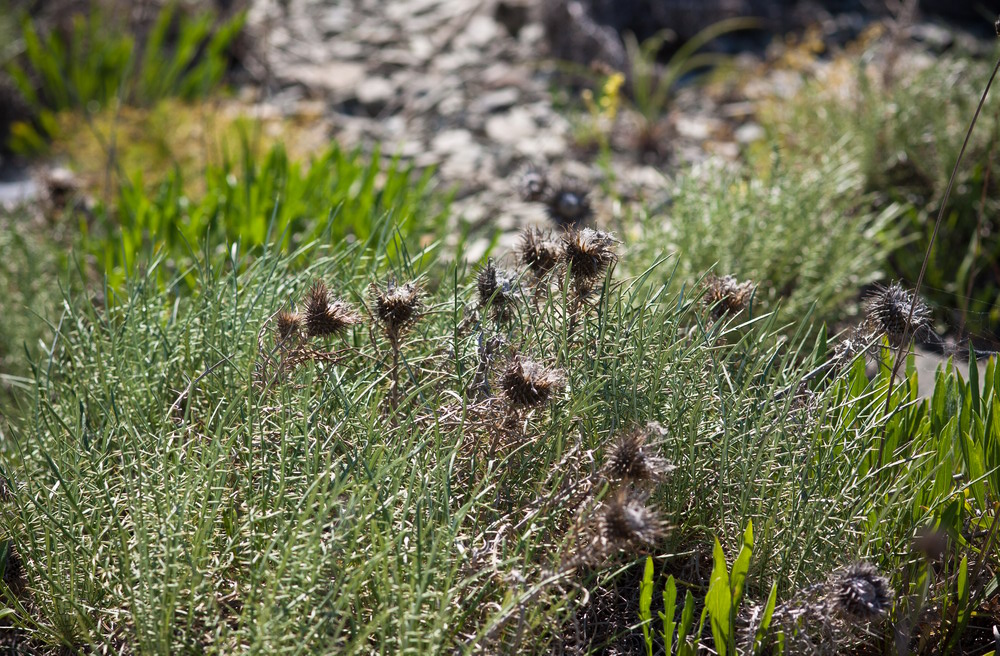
x,y
289,326
5,494
632,458
13,567
888,310
860,591
526,383
726,295
498,291
325,316
533,186
539,251
568,205
626,521
396,306
588,253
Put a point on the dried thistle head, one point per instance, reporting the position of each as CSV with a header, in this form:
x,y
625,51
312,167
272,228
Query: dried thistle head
x,y
533,186
497,290
5,493
860,591
288,326
626,521
325,316
726,295
396,306
633,458
568,206
527,384
13,567
888,310
588,253
539,251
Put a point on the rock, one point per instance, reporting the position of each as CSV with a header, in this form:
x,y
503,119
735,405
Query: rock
x,y
511,127
451,141
336,78
748,133
479,32
495,101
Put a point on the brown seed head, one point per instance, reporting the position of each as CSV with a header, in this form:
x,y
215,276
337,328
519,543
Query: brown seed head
x,y
632,458
588,253
888,310
539,251
568,206
289,326
726,295
396,306
861,592
527,384
324,316
626,521
498,291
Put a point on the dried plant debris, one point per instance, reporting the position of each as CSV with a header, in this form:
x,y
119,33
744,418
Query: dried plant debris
x,y
862,340
533,186
889,309
396,307
325,316
497,290
588,253
527,384
539,251
568,205
726,296
632,458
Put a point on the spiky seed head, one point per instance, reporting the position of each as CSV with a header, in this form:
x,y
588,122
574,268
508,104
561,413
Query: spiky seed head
x,y
289,326
325,316
588,253
396,306
498,291
5,494
568,206
888,309
13,567
726,295
539,251
534,186
527,384
861,592
632,458
626,521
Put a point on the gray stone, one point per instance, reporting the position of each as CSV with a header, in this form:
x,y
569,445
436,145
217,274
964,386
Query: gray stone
x,y
511,127
374,93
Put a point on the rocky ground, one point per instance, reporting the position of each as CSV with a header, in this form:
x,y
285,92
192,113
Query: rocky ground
x,y
465,86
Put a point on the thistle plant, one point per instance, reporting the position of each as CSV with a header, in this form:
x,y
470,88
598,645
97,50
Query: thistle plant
x,y
396,308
